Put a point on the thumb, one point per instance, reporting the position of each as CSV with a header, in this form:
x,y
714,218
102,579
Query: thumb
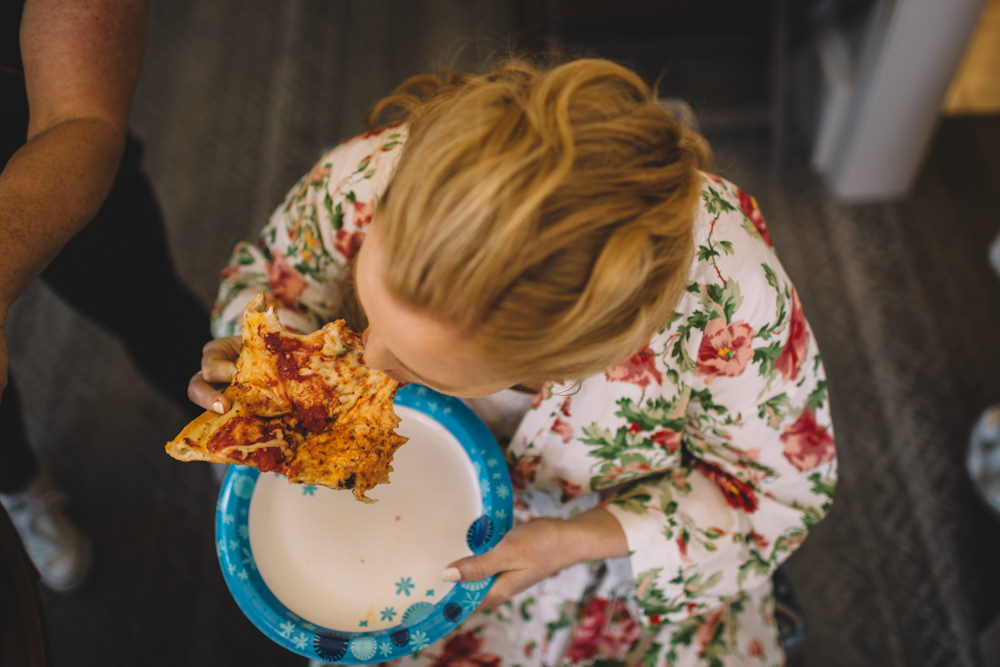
x,y
473,568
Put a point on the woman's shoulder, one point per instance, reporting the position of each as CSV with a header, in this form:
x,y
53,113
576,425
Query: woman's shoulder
x,y
369,156
737,289
729,215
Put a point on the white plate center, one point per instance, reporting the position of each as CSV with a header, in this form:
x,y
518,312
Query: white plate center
x,y
357,567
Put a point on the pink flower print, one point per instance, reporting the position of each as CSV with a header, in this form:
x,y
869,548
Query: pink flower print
x,y
725,349
362,213
523,472
807,444
286,283
706,631
466,650
667,438
607,629
639,369
749,206
738,494
347,243
542,393
565,407
378,130
682,547
569,489
629,470
790,361
563,429
755,649
759,540
319,174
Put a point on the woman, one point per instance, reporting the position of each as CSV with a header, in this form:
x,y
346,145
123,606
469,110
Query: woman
x,y
545,240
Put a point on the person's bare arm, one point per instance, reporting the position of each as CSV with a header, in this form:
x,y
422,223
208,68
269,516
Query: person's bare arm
x,y
81,64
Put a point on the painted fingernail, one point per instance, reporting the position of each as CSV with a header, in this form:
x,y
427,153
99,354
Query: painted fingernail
x,y
217,406
451,574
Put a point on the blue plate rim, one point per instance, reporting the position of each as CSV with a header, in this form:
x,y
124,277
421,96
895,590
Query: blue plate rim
x,y
309,640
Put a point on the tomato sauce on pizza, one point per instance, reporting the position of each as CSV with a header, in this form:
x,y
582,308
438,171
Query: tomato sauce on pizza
x,y
304,406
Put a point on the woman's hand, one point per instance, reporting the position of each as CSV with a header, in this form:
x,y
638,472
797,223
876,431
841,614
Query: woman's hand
x,y
218,366
540,548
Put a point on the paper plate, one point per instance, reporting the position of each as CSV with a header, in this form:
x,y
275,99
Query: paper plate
x,y
331,578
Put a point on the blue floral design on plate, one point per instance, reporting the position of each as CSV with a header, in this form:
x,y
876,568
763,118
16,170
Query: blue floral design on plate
x,y
428,622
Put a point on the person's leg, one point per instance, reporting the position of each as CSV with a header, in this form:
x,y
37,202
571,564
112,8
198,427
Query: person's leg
x,y
20,466
118,273
60,552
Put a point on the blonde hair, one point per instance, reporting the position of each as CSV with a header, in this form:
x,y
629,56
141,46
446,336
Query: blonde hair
x,y
547,212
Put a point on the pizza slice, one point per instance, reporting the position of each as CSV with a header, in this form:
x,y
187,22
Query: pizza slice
x,y
304,406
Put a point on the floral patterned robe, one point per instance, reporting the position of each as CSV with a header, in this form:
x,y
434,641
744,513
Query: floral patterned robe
x,y
712,446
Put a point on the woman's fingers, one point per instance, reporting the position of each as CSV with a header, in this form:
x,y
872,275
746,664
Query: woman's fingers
x,y
529,553
218,359
207,395
218,366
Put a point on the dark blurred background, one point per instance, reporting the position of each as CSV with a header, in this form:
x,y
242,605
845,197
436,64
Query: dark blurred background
x,y
889,254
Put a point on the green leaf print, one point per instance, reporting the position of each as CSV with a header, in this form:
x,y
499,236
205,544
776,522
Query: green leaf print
x,y
525,610
715,204
328,205
722,300
774,409
822,487
706,253
765,357
673,318
817,396
338,216
652,655
685,633
608,446
714,292
243,256
695,585
755,564
596,435
771,276
269,235
727,246
633,500
651,599
704,398
566,612
653,413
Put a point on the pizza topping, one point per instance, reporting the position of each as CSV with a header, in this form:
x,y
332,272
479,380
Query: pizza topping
x,y
305,406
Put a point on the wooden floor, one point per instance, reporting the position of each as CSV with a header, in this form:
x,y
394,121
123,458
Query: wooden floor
x,y
236,101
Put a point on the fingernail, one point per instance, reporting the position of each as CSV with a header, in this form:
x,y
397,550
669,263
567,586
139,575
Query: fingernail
x,y
451,574
217,406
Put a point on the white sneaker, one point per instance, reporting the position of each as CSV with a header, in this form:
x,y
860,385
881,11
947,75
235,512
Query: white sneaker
x,y
60,552
983,461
